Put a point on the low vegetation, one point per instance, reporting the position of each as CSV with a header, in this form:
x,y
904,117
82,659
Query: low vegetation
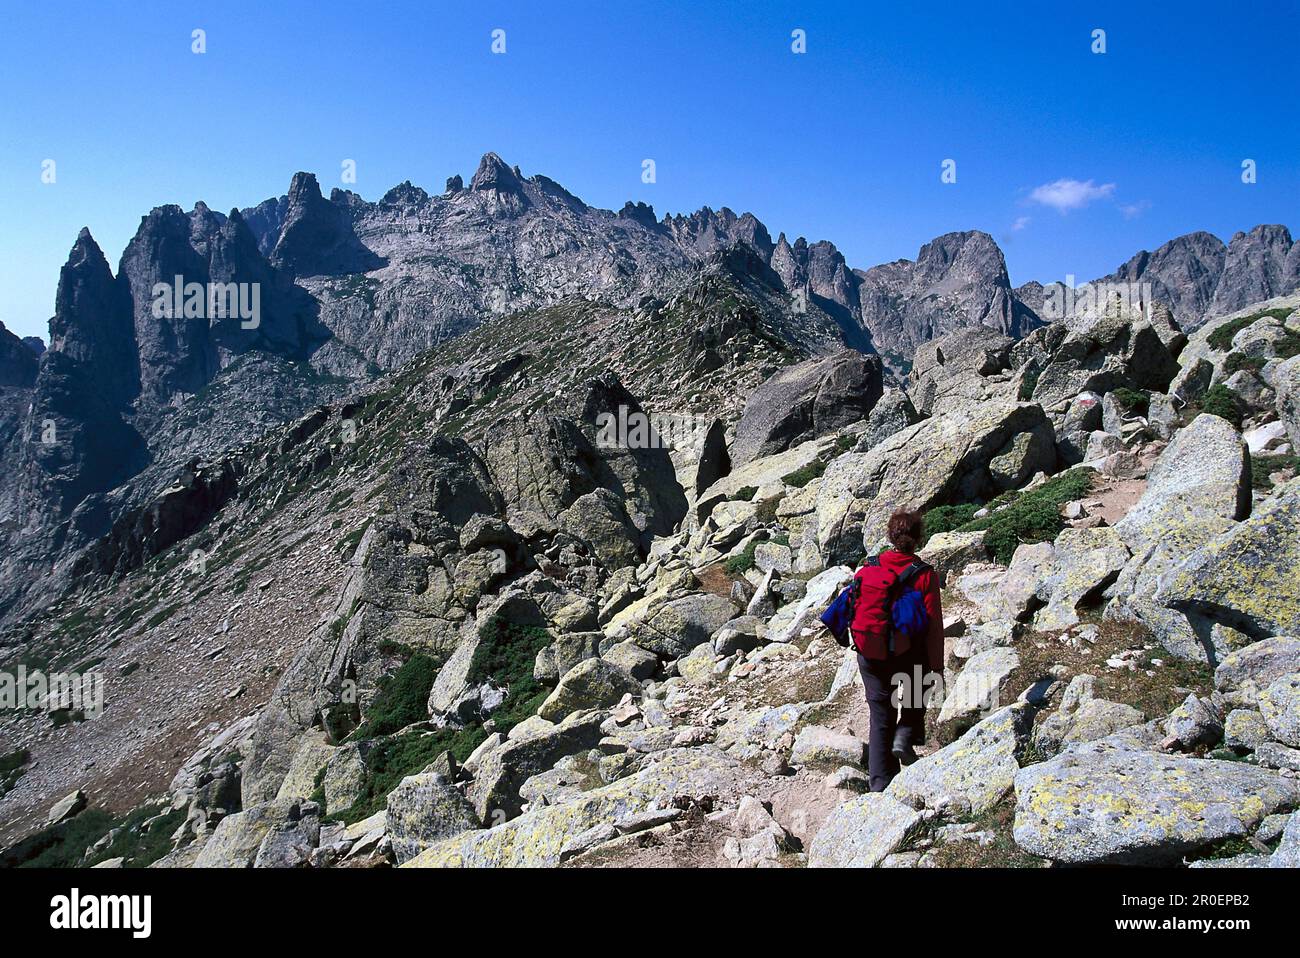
x,y
1221,401
1263,467
1014,518
805,474
743,561
1221,339
505,657
402,698
140,837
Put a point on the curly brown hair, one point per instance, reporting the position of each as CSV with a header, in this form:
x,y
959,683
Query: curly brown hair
x,y
906,530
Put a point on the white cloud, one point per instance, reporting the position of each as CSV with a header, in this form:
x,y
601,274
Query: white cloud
x,y
1020,223
1065,195
1131,210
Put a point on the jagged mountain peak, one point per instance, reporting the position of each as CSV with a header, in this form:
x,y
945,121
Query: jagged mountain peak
x,y
303,188
494,174
403,194
86,251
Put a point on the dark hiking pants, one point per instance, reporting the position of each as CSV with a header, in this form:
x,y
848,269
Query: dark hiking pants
x,y
887,719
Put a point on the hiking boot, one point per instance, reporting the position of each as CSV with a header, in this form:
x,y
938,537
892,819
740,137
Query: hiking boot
x,y
903,751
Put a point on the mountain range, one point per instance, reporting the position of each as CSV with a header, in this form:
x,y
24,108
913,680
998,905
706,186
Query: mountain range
x,y
124,400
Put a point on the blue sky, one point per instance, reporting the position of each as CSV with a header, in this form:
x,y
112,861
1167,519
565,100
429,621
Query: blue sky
x,y
844,142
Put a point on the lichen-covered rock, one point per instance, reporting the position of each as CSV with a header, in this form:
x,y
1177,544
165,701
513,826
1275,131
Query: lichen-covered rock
x,y
770,556
591,684
937,460
237,838
697,666
600,519
950,552
1136,591
67,807
1245,729
893,413
289,844
981,584
981,685
1098,718
536,838
1203,472
422,810
807,400
344,777
564,653
862,831
1248,670
1099,804
1116,350
815,745
1287,383
761,727
955,371
1279,703
1195,722
631,658
1084,561
1025,455
977,769
501,773
1277,755
673,628
313,752
1247,577
786,625
1287,854
1031,564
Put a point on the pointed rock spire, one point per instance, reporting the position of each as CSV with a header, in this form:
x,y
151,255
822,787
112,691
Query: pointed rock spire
x,y
494,174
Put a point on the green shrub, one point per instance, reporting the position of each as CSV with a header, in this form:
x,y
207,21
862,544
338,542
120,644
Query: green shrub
x,y
948,518
744,561
11,769
1033,516
506,655
745,494
1221,401
59,846
1028,385
1221,339
390,760
1033,521
402,698
1136,401
1238,361
1288,346
805,474
1263,465
143,837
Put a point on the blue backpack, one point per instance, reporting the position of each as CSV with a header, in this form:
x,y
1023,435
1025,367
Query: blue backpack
x,y
839,616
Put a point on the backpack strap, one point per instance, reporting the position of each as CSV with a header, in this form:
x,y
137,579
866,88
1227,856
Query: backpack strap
x,y
911,572
900,586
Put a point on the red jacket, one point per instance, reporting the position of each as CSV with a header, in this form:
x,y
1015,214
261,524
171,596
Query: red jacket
x,y
927,583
